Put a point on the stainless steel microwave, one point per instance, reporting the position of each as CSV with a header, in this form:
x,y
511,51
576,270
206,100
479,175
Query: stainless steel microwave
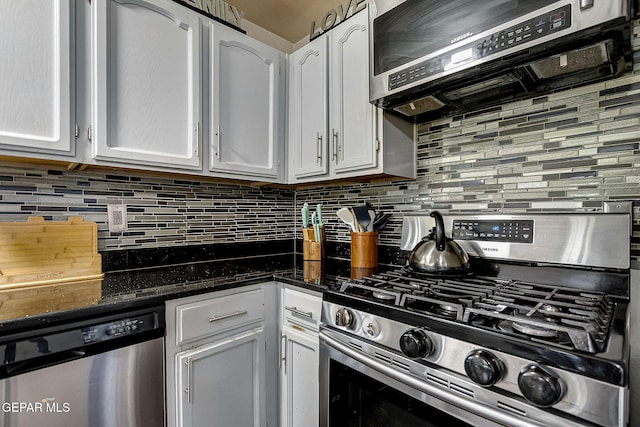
x,y
432,58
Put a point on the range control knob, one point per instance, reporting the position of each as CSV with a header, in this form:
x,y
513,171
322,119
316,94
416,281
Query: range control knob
x,y
370,327
483,368
345,318
539,386
416,344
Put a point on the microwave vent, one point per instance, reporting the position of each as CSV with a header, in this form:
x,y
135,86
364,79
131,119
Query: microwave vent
x,y
503,80
571,62
419,106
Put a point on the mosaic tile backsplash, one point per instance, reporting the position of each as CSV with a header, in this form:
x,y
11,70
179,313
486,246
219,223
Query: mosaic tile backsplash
x,y
568,151
161,211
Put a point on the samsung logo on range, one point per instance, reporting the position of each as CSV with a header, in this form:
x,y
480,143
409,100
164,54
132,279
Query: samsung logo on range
x,y
461,37
490,249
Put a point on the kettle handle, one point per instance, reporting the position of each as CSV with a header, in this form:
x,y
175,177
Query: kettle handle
x,y
441,240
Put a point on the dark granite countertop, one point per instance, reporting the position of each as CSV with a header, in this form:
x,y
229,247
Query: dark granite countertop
x,y
138,288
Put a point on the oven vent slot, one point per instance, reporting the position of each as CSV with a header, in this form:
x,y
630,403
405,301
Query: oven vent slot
x,y
451,386
384,358
512,409
462,390
401,365
392,362
356,346
443,382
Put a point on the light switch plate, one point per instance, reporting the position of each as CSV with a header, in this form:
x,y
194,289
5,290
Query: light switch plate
x,y
117,217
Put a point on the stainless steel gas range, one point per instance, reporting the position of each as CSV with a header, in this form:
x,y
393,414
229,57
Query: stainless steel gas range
x,y
536,335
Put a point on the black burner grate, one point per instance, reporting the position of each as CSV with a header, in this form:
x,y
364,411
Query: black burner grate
x,y
562,316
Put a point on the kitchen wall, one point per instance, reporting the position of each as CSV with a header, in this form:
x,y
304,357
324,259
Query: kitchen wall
x,y
568,151
161,211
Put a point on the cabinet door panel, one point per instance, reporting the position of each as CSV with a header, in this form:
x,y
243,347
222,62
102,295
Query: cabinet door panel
x,y
352,116
222,384
245,104
36,111
308,110
300,398
146,83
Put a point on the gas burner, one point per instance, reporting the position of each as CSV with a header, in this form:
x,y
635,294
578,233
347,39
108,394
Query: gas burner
x,y
534,330
447,310
378,292
549,311
434,306
382,296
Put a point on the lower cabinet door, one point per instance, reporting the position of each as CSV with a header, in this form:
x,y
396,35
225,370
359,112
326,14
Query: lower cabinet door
x,y
222,384
299,394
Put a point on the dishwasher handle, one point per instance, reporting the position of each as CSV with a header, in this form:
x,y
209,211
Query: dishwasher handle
x,y
22,366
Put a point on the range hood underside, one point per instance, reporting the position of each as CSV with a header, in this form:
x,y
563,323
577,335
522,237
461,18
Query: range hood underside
x,y
523,75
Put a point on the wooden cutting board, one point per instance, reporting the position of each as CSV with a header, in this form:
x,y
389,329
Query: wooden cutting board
x,y
38,252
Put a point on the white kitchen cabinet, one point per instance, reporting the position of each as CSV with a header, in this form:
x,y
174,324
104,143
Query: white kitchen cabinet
x,y
308,110
334,132
300,396
37,111
146,84
353,119
222,358
223,383
299,360
247,82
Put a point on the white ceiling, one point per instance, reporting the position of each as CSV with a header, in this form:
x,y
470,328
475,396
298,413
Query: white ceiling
x,y
289,19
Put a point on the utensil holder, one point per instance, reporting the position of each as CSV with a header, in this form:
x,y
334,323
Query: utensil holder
x,y
312,250
364,250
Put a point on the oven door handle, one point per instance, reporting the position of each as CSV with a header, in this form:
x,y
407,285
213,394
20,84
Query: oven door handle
x,y
424,387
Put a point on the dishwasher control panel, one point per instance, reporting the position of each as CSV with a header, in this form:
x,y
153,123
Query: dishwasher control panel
x,y
119,328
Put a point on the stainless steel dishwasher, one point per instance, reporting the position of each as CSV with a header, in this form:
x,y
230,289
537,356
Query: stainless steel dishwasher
x,y
100,372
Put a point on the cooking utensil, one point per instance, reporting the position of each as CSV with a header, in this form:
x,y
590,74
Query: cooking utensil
x,y
319,212
381,220
436,253
346,215
361,214
372,217
372,214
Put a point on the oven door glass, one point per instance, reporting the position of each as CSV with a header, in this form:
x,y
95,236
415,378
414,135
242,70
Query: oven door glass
x,y
417,28
360,401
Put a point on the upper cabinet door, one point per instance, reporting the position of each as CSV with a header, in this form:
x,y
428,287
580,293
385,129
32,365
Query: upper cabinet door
x,y
36,75
308,110
353,118
247,90
146,79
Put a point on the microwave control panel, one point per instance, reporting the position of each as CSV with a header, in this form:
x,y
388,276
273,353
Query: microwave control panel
x,y
524,32
513,231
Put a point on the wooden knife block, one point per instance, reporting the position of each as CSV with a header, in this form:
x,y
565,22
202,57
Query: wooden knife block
x,y
312,250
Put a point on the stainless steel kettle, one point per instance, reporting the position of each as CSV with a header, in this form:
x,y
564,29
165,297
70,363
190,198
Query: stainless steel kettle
x,y
437,254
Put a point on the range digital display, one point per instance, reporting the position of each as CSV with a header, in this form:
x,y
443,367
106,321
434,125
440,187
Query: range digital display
x,y
497,231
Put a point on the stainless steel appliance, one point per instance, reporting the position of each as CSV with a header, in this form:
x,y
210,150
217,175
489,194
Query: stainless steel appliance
x,y
433,58
537,335
105,371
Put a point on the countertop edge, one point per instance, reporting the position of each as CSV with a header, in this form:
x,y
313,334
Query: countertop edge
x,y
124,303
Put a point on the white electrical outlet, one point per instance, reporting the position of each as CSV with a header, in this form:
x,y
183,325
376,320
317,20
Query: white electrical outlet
x,y
117,217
